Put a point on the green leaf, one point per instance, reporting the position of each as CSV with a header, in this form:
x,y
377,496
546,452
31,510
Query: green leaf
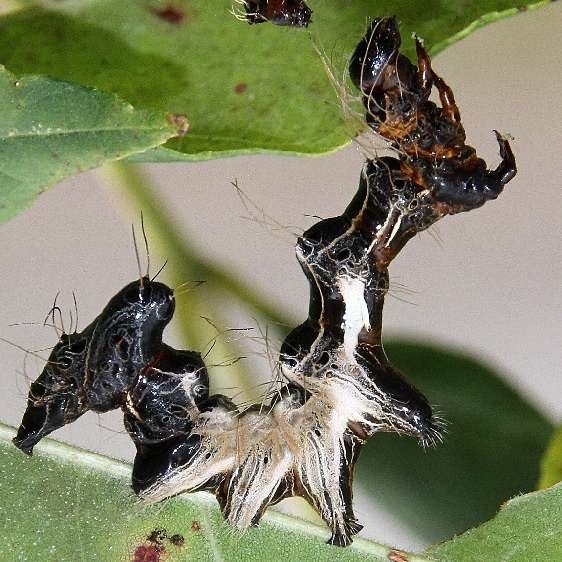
x,y
491,452
66,505
527,529
245,88
51,129
551,464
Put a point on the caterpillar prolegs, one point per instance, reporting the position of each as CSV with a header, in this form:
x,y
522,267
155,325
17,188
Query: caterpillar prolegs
x,y
340,388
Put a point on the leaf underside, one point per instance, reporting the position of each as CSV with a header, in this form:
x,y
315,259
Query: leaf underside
x,y
50,129
244,88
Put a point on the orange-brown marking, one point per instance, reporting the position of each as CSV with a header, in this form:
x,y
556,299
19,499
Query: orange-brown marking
x,y
397,556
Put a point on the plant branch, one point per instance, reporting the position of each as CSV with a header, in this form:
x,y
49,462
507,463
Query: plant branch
x,y
182,251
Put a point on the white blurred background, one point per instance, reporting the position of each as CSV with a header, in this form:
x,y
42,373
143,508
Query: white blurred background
x,y
487,282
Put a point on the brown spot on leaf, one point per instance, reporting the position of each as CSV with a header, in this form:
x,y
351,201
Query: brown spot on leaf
x,y
157,536
196,526
169,13
397,556
177,540
240,88
148,553
180,122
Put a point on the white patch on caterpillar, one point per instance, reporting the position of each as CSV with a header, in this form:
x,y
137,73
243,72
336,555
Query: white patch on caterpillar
x,y
258,449
395,229
292,437
131,407
393,217
356,317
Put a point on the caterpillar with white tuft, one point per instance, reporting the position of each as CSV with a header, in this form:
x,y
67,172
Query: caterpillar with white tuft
x,y
340,388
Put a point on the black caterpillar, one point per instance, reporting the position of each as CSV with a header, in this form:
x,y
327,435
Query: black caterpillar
x,y
340,388
292,13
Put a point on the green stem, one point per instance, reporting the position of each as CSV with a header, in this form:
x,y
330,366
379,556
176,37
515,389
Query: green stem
x,y
182,251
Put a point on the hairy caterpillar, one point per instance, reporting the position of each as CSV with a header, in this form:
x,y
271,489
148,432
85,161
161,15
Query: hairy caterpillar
x,y
341,388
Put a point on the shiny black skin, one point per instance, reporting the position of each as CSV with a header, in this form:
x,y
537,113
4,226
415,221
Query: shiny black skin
x,y
56,397
339,246
163,401
347,249
430,137
469,189
160,411
293,13
377,48
127,334
153,462
161,452
403,399
93,369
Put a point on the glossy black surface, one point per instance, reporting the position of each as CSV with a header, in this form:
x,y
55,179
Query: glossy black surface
x,y
294,13
430,137
57,396
93,369
127,334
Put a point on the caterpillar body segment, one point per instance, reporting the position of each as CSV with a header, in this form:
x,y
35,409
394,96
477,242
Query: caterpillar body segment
x,y
93,369
56,398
